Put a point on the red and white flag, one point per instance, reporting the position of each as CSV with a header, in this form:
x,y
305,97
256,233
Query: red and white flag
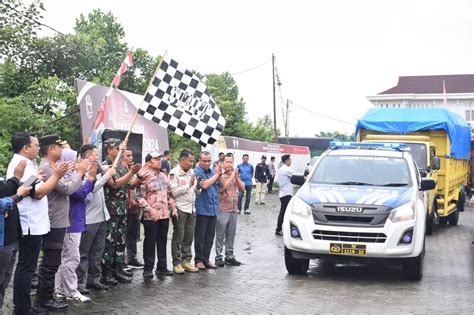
x,y
127,63
445,96
99,121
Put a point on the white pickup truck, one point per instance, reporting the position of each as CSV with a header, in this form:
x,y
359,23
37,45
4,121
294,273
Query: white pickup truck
x,y
362,201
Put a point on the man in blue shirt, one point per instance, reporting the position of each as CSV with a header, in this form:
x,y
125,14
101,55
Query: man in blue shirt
x,y
207,209
245,175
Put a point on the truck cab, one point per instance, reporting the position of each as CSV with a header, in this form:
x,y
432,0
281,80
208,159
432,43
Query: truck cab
x,y
362,201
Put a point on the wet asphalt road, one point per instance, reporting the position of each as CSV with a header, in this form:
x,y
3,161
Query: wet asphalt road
x,y
262,285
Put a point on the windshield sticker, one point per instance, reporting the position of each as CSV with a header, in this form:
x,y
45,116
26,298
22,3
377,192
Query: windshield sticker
x,y
371,158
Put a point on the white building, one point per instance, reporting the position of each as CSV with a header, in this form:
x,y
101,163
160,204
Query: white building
x,y
427,91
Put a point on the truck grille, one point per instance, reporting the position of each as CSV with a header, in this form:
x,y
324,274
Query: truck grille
x,y
354,237
371,216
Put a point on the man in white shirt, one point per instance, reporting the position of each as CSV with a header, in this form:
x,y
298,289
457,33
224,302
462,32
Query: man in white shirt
x,y
284,174
34,217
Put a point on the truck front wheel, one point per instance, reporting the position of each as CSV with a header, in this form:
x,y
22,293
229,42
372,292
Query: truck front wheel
x,y
295,266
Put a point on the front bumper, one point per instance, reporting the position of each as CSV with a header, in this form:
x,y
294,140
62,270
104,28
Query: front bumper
x,y
376,248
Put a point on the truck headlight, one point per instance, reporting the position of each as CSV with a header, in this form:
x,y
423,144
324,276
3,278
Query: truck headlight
x,y
300,208
405,212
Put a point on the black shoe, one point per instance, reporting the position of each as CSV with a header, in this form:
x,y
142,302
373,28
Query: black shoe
x,y
121,277
279,232
120,269
109,280
98,286
147,273
232,261
135,264
164,272
51,305
83,289
219,263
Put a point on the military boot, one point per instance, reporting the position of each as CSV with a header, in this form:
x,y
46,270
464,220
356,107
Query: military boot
x,y
121,269
107,276
120,276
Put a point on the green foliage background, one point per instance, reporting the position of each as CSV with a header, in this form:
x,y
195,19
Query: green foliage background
x,y
37,75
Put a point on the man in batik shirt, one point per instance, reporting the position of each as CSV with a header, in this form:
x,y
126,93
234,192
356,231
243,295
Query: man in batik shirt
x,y
157,202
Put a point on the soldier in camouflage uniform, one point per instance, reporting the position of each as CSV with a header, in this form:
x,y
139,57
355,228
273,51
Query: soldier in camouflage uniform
x,y
115,190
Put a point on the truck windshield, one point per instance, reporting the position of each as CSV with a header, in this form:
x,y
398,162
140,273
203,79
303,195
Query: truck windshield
x,y
418,151
362,170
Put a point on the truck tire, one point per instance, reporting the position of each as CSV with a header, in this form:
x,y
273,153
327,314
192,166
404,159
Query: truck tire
x,y
453,218
413,267
430,219
443,220
295,266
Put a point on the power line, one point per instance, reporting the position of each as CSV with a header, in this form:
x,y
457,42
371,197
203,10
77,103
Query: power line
x,y
253,68
30,18
322,115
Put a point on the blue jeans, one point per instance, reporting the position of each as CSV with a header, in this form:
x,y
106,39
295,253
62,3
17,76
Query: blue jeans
x,y
248,194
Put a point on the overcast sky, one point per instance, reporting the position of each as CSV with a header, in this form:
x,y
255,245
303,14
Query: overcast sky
x,y
330,54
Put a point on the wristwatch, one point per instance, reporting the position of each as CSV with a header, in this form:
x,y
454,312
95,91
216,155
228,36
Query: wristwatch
x,y
18,198
139,177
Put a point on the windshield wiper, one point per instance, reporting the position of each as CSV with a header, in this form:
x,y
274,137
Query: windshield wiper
x,y
395,184
354,183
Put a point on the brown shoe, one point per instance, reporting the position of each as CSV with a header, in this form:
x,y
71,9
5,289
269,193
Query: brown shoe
x,y
200,266
210,265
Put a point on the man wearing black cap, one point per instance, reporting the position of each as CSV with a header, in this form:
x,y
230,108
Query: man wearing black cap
x,y
262,174
116,199
158,205
58,210
284,174
33,211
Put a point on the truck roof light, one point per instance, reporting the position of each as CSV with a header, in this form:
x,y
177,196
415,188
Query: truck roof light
x,y
337,145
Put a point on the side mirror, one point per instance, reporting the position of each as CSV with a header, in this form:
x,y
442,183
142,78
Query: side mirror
x,y
436,163
297,180
427,184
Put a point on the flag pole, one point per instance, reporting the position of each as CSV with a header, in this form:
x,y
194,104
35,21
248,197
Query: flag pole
x,y
117,158
111,86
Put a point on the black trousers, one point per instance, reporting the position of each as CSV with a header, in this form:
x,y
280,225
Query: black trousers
x,y
7,262
156,236
248,194
284,203
270,183
133,229
204,237
28,252
52,247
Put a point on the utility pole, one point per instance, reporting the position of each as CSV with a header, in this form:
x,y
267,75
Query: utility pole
x,y
275,133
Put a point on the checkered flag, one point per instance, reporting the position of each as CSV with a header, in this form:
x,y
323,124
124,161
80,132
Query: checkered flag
x,y
178,100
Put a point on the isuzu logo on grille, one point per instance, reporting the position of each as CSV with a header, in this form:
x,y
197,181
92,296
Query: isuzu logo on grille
x,y
350,209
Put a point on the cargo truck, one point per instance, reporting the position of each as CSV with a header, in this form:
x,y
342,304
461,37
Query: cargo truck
x,y
439,141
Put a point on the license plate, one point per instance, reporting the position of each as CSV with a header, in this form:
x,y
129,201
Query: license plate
x,y
348,249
